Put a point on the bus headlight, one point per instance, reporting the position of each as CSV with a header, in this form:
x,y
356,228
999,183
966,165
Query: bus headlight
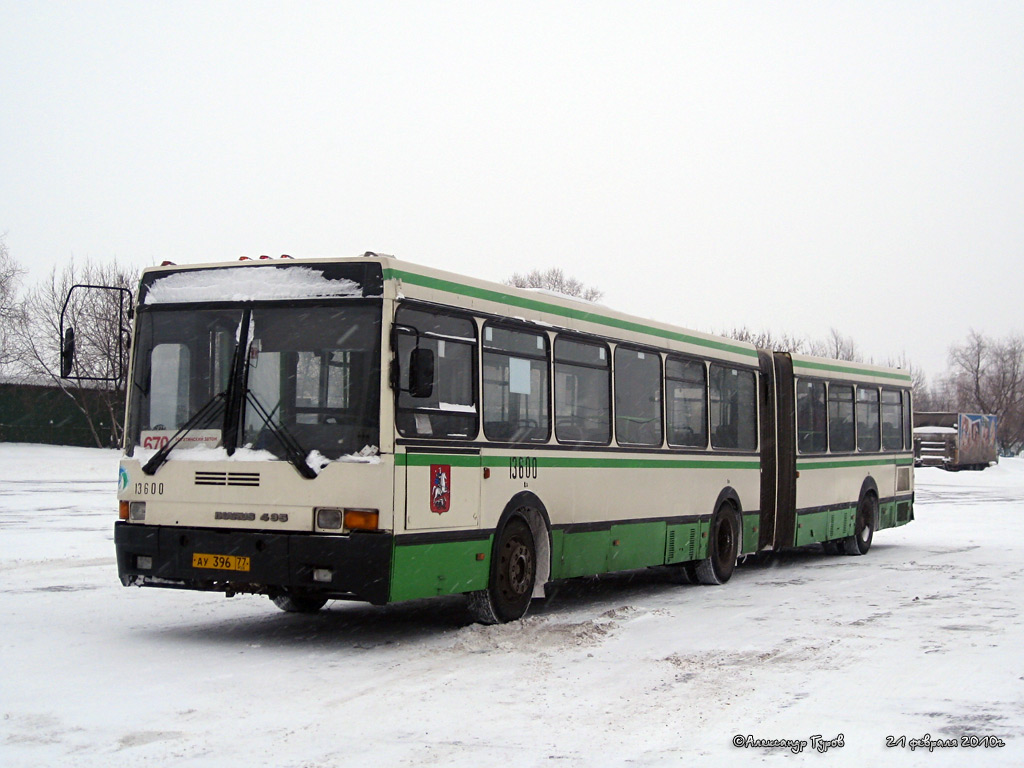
x,y
328,518
137,511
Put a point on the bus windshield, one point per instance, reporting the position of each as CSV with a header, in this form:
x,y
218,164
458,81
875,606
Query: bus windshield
x,y
310,372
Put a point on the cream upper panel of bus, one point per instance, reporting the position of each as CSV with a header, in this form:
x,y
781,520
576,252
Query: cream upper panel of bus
x,y
857,373
405,280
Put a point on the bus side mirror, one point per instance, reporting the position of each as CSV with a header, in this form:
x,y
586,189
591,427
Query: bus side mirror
x,y
67,352
106,319
421,372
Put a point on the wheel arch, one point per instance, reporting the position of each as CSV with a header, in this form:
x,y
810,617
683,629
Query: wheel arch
x,y
870,486
717,566
729,495
528,505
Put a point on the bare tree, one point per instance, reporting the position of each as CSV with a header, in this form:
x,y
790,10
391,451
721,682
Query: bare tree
x,y
837,346
555,280
100,322
10,309
767,340
987,376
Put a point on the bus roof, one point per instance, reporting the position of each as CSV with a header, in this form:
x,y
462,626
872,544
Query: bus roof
x,y
404,279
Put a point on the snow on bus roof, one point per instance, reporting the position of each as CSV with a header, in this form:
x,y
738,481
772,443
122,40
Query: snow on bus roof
x,y
247,284
567,296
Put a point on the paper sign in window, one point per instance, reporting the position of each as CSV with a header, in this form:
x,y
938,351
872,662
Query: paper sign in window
x,y
518,376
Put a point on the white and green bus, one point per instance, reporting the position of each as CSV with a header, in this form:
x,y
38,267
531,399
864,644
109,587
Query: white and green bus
x,y
376,430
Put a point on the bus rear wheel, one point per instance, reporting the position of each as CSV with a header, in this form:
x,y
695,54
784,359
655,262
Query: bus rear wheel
x,y
864,527
723,547
513,573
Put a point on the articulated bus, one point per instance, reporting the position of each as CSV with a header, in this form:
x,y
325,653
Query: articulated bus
x,y
371,429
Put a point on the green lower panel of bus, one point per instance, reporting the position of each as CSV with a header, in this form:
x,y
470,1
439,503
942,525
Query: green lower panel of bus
x,y
582,553
833,524
811,528
445,568
625,547
751,531
825,525
440,568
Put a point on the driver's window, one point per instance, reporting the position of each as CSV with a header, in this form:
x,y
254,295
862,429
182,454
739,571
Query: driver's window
x,y
450,409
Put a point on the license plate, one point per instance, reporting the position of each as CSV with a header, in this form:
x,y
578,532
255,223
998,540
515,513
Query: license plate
x,y
220,562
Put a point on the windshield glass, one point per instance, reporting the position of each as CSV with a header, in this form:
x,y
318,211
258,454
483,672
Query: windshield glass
x,y
182,360
315,370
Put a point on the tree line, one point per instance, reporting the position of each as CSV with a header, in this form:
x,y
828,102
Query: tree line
x,y
30,337
985,374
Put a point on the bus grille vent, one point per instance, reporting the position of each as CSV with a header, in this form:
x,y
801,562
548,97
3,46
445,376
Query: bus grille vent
x,y
903,512
248,479
836,526
692,548
670,555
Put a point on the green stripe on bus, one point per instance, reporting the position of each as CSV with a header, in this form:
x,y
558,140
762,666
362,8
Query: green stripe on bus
x,y
797,364
843,463
573,462
426,459
554,309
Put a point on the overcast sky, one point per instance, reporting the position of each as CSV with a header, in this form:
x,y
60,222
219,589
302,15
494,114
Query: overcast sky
x,y
780,165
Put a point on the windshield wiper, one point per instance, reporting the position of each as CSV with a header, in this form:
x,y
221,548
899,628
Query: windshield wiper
x,y
294,452
213,408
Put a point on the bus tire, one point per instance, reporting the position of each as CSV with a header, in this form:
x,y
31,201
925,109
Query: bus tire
x,y
863,528
512,576
293,603
723,547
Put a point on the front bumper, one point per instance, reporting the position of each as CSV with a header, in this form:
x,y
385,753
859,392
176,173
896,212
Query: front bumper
x,y
280,563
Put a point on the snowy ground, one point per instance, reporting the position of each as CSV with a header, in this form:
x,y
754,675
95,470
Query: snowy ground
x,y
922,636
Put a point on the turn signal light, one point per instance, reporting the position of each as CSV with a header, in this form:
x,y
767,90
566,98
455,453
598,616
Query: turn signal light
x,y
122,510
362,519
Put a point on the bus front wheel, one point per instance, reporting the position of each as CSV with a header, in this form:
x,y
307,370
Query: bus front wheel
x,y
512,576
723,547
296,603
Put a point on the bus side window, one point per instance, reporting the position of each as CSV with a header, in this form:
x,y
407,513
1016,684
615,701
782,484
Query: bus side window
x,y
686,397
811,431
583,384
733,395
842,438
868,438
637,397
450,411
515,364
892,420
